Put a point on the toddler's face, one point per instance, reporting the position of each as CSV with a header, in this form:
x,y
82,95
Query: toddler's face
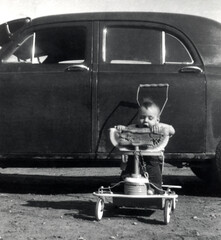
x,y
148,117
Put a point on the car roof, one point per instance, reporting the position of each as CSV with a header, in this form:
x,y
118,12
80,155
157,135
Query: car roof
x,y
139,16
181,21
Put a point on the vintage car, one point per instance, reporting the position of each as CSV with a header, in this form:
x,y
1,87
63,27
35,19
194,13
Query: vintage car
x,y
66,79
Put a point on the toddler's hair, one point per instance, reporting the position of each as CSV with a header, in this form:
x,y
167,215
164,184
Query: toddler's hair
x,y
147,102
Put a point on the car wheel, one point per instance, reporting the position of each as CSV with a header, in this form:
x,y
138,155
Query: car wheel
x,y
216,171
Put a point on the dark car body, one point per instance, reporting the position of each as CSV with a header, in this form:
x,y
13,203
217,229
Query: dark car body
x,y
66,79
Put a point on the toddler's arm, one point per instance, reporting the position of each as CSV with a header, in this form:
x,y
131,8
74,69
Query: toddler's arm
x,y
166,129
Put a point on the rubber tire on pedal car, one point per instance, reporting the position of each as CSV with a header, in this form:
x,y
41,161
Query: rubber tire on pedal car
x,y
99,209
173,204
167,210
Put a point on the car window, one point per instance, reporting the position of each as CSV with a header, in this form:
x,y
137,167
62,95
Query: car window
x,y
51,45
131,45
141,45
175,50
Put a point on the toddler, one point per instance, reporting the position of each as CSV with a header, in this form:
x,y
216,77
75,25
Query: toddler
x,y
149,117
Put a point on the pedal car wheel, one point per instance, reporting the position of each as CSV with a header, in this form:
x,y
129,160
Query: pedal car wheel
x,y
167,211
99,209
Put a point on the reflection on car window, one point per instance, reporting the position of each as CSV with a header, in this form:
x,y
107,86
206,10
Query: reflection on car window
x,y
23,51
64,45
140,45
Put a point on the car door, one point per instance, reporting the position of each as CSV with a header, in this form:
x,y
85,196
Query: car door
x,y
134,53
45,91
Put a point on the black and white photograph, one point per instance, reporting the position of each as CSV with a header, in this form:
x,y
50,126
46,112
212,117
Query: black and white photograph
x,y
110,120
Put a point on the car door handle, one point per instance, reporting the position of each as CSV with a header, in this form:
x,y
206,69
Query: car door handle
x,y
191,69
76,68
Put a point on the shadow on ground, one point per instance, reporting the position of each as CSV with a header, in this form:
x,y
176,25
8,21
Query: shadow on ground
x,y
40,184
193,186
84,210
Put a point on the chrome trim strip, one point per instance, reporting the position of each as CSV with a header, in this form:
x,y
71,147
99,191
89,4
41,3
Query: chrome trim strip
x,y
104,44
33,48
163,48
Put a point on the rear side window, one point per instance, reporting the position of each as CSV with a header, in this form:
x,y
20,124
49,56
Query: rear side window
x,y
52,45
175,50
142,45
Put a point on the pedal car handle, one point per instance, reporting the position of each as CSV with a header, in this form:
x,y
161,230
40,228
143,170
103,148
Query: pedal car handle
x,y
159,85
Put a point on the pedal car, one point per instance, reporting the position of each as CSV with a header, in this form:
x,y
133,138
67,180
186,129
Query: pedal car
x,y
138,143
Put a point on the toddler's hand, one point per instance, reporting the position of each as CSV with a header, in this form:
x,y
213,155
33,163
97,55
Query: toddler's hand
x,y
120,127
155,129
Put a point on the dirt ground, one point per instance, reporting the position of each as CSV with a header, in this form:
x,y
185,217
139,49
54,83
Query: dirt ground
x,y
58,204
